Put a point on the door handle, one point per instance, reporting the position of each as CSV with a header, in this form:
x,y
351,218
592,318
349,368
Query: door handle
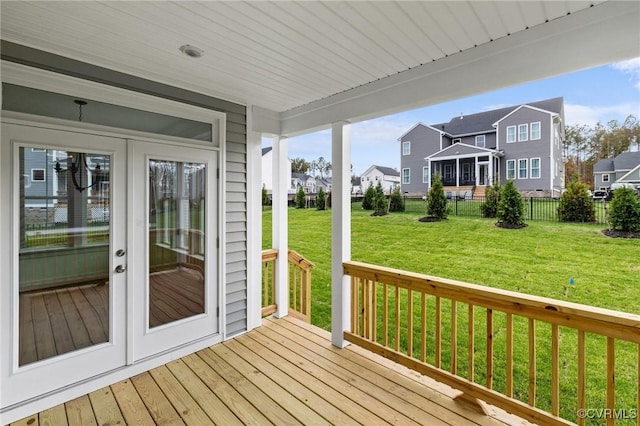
x,y
120,253
120,269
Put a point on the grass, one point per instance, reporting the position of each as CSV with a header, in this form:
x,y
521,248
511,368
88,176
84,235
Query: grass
x,y
539,260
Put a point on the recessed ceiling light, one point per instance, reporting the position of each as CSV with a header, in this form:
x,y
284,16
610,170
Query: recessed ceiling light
x,y
191,51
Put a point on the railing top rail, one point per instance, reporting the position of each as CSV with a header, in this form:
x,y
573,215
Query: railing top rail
x,y
621,325
269,254
304,263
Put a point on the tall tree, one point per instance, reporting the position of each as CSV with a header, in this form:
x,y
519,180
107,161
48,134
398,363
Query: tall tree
x,y
299,165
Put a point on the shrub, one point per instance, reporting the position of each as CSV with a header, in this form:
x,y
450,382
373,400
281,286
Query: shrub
x,y
436,200
301,199
576,204
321,201
265,197
511,206
369,195
624,211
396,202
379,201
492,198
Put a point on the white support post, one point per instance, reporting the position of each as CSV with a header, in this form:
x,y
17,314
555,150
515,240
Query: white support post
x,y
254,227
430,174
340,231
490,177
280,223
457,172
477,167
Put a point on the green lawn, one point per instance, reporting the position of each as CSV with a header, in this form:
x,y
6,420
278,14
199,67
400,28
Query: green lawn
x,y
539,259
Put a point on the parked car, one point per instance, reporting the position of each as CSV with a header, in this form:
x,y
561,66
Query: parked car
x,y
602,195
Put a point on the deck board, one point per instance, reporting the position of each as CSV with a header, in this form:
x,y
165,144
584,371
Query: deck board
x,y
285,372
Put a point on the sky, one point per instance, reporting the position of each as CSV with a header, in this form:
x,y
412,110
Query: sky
x,y
610,92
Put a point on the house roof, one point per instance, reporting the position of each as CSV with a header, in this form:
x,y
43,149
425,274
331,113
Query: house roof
x,y
387,171
266,150
482,122
303,177
304,65
461,149
624,161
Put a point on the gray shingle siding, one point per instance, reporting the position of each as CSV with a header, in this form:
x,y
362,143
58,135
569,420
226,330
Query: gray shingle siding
x,y
424,142
235,161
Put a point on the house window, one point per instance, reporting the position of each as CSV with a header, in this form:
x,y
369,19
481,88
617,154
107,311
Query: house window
x,y
511,134
480,141
406,148
406,176
457,140
38,150
511,169
425,174
37,175
522,168
535,131
448,172
535,168
605,177
523,132
466,172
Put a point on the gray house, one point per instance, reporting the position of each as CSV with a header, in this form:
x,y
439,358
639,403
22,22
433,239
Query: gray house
x,y
522,143
623,169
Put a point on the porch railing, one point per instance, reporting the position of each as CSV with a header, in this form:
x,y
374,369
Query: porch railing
x,y
299,284
525,354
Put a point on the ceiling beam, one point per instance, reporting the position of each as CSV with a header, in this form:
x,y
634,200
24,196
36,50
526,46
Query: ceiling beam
x,y
602,34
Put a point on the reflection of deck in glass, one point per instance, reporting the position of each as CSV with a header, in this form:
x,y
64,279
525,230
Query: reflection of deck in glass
x,y
57,321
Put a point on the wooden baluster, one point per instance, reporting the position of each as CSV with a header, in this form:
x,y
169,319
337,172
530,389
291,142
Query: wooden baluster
x,y
611,378
374,311
365,308
555,369
509,388
423,327
354,305
532,362
307,299
471,344
397,346
385,315
438,331
369,310
409,322
294,288
273,282
489,348
265,284
582,397
454,337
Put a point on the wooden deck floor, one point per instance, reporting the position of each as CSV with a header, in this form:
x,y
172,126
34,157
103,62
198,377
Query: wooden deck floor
x,y
285,372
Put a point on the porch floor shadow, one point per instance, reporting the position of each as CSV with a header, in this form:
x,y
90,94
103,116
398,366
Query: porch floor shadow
x,y
285,372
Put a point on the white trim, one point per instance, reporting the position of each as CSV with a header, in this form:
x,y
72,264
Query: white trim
x,y
636,168
415,126
515,134
484,141
539,132
515,173
519,133
425,168
44,175
608,177
279,227
408,182
526,168
554,114
456,140
406,144
531,168
471,154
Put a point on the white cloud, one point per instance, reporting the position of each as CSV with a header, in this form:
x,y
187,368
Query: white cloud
x,y
591,114
630,67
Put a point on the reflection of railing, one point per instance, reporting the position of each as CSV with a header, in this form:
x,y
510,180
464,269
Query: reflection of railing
x,y
521,353
299,284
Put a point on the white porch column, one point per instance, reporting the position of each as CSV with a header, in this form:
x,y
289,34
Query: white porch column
x,y
490,177
477,167
254,226
429,175
340,231
280,221
457,171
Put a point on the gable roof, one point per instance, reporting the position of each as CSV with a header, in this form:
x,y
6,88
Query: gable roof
x,y
482,122
417,125
624,161
458,149
387,171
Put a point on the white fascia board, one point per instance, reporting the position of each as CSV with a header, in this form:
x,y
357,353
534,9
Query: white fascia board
x,y
462,135
602,34
265,121
630,172
450,147
551,113
418,124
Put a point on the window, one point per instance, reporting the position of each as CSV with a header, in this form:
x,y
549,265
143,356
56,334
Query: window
x,y
425,174
511,134
522,169
480,141
457,140
38,150
605,177
535,168
406,148
448,172
511,169
523,132
466,171
37,175
535,131
406,176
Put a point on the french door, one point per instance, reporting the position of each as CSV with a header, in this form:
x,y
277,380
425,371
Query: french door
x,y
112,255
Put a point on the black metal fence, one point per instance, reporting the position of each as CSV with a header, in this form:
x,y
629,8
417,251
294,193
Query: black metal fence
x,y
536,208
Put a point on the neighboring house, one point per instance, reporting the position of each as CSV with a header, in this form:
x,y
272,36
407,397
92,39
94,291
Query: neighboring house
x,y
356,186
304,181
324,183
267,170
522,143
389,178
624,169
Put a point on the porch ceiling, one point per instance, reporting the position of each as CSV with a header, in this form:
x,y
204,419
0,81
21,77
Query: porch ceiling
x,y
305,64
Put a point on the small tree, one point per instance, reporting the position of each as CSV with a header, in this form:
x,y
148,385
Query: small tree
x,y
265,197
436,200
379,201
301,199
576,204
321,201
369,195
511,206
492,198
624,211
396,202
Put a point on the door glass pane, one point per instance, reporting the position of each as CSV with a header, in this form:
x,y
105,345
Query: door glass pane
x,y
64,251
176,240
